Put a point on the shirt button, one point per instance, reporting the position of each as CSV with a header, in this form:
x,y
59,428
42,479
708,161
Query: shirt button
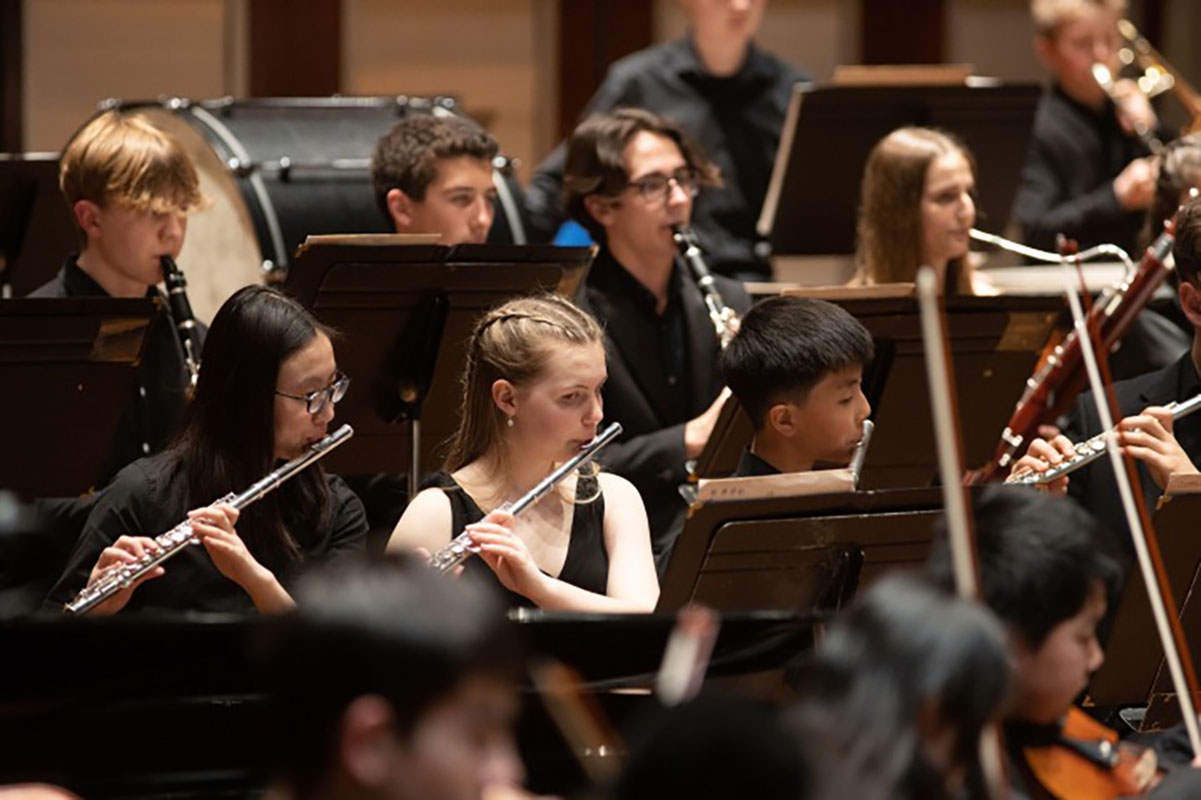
x,y
671,380
146,448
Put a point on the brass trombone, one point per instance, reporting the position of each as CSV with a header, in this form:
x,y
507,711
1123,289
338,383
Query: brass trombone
x,y
1158,76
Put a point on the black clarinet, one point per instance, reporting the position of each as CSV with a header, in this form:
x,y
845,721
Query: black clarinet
x,y
181,311
724,318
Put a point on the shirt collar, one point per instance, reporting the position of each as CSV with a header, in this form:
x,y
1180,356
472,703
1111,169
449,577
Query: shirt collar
x,y
750,465
608,274
80,284
688,65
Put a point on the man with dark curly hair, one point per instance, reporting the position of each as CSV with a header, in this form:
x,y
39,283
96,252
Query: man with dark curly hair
x,y
433,174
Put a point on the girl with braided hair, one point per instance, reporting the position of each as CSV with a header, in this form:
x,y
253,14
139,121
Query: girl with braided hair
x,y
531,400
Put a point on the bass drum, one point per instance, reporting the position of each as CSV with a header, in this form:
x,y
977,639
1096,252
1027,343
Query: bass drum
x,y
278,170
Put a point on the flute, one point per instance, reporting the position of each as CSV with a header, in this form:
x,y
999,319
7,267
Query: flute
x,y
460,548
174,541
1092,449
856,465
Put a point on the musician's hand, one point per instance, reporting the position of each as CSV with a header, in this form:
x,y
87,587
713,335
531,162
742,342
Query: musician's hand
x,y
1133,107
1148,437
1135,185
1041,456
697,430
126,550
506,554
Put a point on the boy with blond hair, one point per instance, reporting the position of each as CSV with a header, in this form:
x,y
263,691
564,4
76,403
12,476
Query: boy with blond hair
x,y
1087,174
129,187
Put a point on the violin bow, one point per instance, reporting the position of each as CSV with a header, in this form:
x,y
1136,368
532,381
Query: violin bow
x,y
1142,532
960,531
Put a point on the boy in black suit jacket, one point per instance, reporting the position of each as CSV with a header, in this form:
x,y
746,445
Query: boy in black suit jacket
x,y
631,177
1147,432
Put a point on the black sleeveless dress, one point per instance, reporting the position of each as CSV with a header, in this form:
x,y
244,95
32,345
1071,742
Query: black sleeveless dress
x,y
587,561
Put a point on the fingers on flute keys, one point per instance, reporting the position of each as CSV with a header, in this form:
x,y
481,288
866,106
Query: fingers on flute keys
x,y
1041,456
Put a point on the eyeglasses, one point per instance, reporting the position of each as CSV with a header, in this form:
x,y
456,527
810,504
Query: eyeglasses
x,y
316,401
656,187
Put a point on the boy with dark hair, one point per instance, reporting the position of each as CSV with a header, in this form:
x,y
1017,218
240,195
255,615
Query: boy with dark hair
x,y
130,187
1047,570
393,682
433,174
795,366
631,177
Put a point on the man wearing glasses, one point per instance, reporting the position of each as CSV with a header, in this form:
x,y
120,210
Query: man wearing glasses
x,y
631,177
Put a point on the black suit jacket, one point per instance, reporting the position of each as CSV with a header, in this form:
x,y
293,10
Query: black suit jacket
x,y
650,452
1095,486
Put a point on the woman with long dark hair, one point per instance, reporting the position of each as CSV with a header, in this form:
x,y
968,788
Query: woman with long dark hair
x,y
266,392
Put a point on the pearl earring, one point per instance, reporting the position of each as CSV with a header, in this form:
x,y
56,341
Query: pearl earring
x,y
509,422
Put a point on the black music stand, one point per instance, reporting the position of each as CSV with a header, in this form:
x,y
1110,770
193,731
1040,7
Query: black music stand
x,y
68,367
811,201
1134,672
405,312
807,552
995,342
36,230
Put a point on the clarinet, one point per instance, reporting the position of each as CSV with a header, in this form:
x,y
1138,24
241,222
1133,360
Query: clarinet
x,y
180,537
724,318
181,311
460,549
1092,449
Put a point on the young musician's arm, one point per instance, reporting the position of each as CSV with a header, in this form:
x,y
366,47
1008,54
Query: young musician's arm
x,y
214,527
425,524
632,576
123,509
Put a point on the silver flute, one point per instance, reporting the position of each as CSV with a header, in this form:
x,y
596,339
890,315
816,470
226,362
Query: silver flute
x,y
178,538
1092,449
460,548
856,465
724,318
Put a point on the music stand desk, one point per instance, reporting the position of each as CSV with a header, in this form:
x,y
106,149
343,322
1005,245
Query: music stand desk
x,y
811,202
994,341
405,313
808,552
68,367
1134,672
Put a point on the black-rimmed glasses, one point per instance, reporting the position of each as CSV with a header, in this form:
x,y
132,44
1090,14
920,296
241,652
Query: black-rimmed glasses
x,y
656,187
317,400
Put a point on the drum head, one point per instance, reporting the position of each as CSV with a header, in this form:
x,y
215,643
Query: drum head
x,y
221,251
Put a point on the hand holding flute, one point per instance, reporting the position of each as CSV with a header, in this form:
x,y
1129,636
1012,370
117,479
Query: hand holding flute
x,y
1146,436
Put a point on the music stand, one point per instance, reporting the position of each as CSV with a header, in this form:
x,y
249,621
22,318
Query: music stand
x,y
1134,672
405,312
68,366
995,342
811,201
36,229
807,552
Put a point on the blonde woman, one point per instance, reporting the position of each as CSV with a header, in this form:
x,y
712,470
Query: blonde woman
x,y
917,205
531,399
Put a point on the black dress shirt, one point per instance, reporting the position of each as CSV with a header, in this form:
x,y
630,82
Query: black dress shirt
x,y
736,120
149,497
752,466
1095,485
157,402
656,386
1074,154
